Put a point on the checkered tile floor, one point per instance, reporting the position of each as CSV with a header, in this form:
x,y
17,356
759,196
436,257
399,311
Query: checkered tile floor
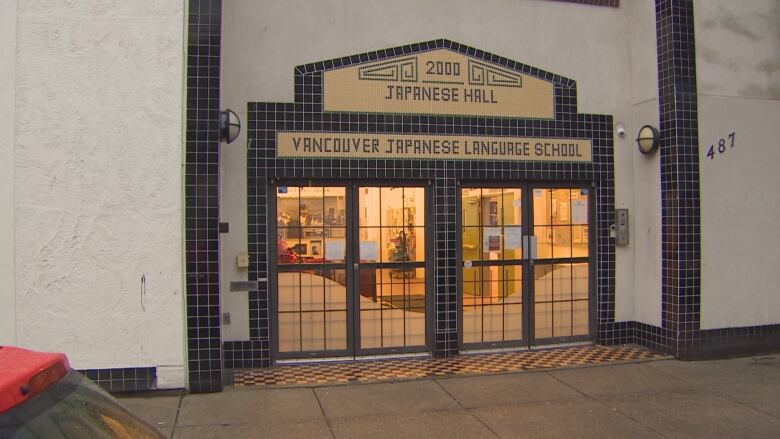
x,y
413,368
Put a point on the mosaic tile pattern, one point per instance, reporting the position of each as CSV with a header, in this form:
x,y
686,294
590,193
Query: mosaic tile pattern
x,y
120,380
680,215
676,43
406,369
265,119
201,199
680,240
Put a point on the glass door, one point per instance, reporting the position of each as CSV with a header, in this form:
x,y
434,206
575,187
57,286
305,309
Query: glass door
x,y
561,264
312,299
492,290
350,274
392,275
525,274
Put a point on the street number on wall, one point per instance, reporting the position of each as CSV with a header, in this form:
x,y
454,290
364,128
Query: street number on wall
x,y
721,146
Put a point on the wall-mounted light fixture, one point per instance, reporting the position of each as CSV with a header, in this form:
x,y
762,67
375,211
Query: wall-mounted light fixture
x,y
229,125
648,139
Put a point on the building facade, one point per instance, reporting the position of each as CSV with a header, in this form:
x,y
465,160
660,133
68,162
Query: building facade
x,y
414,178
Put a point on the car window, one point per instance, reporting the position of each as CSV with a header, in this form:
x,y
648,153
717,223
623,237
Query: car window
x,y
73,408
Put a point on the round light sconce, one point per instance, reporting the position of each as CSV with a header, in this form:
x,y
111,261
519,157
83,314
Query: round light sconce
x,y
648,139
229,125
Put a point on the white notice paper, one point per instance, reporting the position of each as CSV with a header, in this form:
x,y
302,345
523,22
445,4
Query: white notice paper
x,y
513,237
369,251
579,212
335,248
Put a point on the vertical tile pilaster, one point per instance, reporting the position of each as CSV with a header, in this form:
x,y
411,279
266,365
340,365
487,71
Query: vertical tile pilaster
x,y
258,352
446,301
680,216
201,200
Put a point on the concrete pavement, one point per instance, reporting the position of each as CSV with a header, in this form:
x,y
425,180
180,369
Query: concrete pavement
x,y
660,399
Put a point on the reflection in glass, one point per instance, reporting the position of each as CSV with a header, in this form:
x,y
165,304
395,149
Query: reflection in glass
x,y
392,308
391,224
544,242
312,245
560,206
311,224
579,241
543,320
561,282
312,310
560,300
492,304
579,281
492,235
392,297
561,223
579,317
492,293
312,301
491,207
561,242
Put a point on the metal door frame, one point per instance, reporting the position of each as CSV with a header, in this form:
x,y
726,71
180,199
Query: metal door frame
x,y
529,340
352,269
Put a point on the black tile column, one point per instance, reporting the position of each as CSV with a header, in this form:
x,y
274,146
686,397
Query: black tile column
x,y
680,217
201,201
446,234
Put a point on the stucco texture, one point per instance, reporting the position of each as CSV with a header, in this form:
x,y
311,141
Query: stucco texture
x,y
738,61
7,89
98,198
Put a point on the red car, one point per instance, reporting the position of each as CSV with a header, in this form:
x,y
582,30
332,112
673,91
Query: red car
x,y
42,397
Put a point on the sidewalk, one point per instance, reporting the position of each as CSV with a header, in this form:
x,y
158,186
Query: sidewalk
x,y
666,398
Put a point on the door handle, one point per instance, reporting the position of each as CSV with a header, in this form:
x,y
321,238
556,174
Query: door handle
x,y
529,247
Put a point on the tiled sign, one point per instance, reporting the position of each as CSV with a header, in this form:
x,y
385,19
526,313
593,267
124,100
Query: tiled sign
x,y
354,145
440,81
537,137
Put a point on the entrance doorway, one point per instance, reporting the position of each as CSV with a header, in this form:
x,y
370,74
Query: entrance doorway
x,y
526,266
351,276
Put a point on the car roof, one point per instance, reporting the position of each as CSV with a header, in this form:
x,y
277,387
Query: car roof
x,y
18,367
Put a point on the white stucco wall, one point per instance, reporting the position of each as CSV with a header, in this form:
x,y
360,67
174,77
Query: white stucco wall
x,y
98,193
646,221
263,42
7,111
738,60
638,181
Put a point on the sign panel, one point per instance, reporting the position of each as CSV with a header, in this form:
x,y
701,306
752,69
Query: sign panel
x,y
425,146
491,239
513,237
440,81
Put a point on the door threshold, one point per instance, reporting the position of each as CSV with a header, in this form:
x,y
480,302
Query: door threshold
x,y
563,345
493,350
293,361
524,348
